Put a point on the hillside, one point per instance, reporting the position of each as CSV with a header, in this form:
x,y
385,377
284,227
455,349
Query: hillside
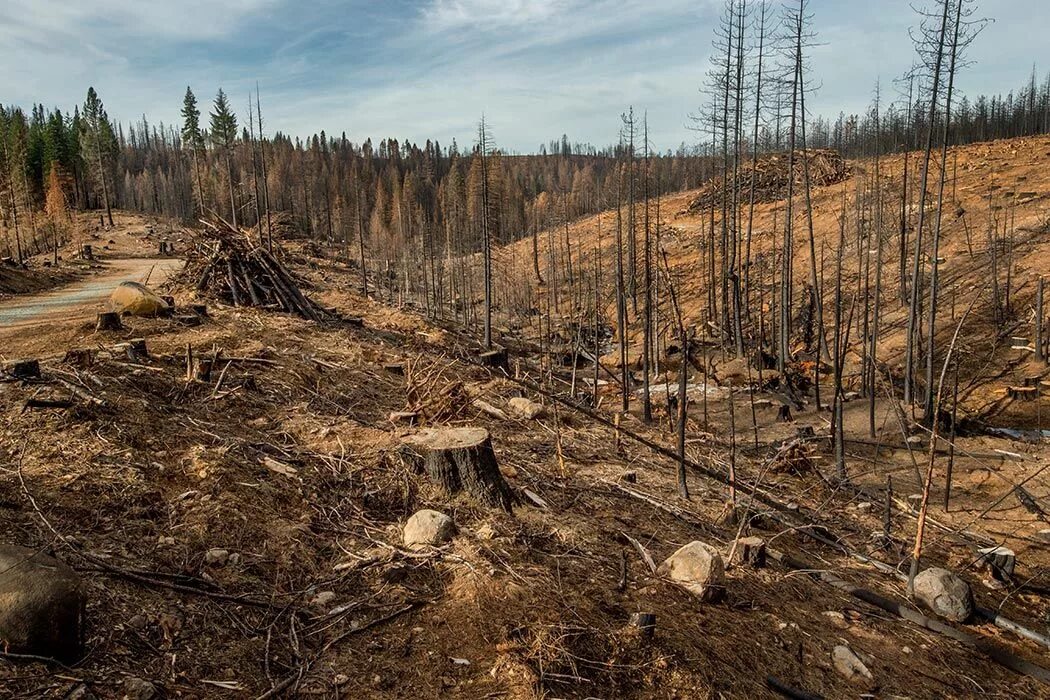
x,y
239,534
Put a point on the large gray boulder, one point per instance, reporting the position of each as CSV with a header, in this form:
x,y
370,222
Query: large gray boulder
x,y
698,568
42,605
428,528
945,594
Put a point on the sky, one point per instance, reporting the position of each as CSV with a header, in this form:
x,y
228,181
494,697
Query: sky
x,y
428,69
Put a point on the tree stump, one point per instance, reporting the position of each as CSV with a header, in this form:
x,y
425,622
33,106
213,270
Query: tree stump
x,y
750,552
644,623
1000,561
23,369
496,359
86,252
79,357
135,349
784,413
461,458
108,321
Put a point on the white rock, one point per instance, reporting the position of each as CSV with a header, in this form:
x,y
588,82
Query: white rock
x,y
698,568
216,557
848,664
944,593
526,409
428,527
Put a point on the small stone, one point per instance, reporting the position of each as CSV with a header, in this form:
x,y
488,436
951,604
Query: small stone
x,y
323,599
341,679
525,409
864,507
848,664
235,559
698,568
165,541
905,650
216,557
138,689
836,618
1043,536
945,594
138,622
428,527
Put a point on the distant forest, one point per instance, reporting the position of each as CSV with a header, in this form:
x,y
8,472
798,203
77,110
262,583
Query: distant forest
x,y
393,194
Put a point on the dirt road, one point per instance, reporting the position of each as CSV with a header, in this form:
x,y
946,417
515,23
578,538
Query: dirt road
x,y
80,301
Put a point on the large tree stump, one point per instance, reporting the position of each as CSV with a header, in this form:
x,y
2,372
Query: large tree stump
x,y
461,458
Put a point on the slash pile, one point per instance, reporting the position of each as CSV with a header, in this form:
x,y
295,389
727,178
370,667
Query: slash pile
x,y
826,167
232,269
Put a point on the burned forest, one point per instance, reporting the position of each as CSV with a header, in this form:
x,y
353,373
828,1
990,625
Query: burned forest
x,y
763,413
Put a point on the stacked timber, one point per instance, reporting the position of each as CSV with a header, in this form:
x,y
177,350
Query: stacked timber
x,y
230,268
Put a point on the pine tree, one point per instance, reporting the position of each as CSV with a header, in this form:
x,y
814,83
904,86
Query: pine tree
x,y
193,139
223,138
96,140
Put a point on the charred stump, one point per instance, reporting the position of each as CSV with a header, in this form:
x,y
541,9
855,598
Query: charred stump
x,y
108,321
460,459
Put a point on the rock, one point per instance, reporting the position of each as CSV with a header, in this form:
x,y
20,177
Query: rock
x,y
216,557
323,599
836,618
42,605
945,594
428,527
864,507
136,300
848,664
698,568
138,689
1043,536
526,409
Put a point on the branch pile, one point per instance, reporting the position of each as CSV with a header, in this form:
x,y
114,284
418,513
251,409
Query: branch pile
x,y
234,270
826,167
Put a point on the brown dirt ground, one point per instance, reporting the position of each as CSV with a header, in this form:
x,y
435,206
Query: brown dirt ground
x,y
289,462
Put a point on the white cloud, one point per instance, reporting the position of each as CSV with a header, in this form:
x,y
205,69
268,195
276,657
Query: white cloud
x,y
441,15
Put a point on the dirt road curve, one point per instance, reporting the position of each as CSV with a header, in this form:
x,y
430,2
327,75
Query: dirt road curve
x,y
82,300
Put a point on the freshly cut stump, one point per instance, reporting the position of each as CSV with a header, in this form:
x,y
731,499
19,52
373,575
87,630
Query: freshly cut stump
x,y
461,458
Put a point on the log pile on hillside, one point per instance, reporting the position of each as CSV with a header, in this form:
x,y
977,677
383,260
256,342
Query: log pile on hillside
x,y
232,269
826,167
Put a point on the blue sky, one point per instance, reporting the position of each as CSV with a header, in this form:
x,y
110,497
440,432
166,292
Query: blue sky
x,y
421,69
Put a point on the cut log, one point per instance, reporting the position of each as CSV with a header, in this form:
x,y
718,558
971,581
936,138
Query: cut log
x,y
461,458
23,369
108,321
1023,393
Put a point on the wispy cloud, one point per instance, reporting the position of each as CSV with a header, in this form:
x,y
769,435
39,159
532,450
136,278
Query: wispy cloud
x,y
428,68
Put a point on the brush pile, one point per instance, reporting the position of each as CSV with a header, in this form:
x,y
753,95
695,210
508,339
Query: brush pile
x,y
826,167
231,269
